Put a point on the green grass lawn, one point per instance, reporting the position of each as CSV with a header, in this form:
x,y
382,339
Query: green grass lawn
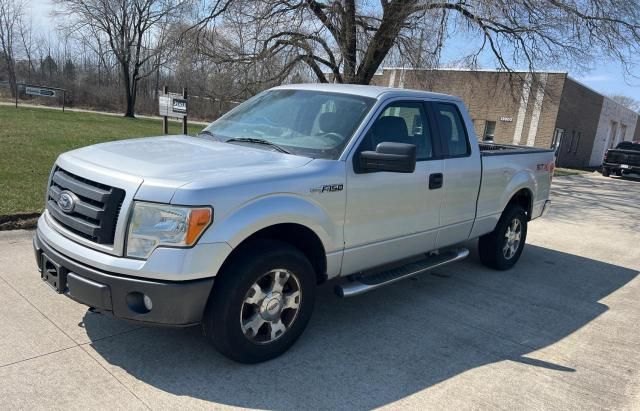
x,y
32,138
561,172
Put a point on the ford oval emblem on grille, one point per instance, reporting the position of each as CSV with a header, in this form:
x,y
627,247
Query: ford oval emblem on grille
x,y
67,201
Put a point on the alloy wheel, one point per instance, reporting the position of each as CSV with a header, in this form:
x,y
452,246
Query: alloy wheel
x,y
512,239
271,306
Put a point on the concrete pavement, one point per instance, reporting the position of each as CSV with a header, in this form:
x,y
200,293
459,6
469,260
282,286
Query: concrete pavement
x,y
559,331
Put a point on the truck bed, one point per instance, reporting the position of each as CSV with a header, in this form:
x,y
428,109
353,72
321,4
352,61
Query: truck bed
x,y
493,149
504,169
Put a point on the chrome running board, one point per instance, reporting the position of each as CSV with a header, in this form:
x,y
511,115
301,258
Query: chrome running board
x,y
363,283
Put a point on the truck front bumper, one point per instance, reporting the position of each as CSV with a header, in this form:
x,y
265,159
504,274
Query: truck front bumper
x,y
171,303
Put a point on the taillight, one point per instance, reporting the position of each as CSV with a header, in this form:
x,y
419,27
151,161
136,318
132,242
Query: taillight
x,y
552,169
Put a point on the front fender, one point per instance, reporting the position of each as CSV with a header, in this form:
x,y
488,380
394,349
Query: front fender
x,y
270,210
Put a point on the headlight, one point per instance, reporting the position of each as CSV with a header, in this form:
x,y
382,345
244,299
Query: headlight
x,y
153,225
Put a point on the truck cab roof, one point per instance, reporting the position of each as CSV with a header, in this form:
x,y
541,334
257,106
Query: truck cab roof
x,y
376,92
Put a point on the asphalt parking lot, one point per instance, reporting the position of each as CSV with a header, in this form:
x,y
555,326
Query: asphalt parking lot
x,y
560,331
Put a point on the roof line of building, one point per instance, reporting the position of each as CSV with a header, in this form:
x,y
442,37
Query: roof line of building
x,y
503,71
469,69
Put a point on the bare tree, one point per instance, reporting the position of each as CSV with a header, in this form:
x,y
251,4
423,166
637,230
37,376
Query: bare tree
x,y
350,39
629,102
28,45
129,27
11,15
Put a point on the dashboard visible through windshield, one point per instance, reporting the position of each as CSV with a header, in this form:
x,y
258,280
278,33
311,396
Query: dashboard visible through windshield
x,y
302,122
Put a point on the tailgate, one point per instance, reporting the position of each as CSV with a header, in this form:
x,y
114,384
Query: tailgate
x,y
629,157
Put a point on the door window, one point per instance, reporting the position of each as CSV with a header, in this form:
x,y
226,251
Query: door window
x,y
402,122
452,130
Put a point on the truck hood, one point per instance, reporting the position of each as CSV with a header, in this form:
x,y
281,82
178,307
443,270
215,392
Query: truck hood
x,y
166,163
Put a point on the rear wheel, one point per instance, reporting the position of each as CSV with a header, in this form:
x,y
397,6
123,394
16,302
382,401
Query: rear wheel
x,y
261,302
502,248
605,172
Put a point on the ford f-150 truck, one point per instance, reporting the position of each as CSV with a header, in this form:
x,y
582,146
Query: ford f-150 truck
x,y
233,229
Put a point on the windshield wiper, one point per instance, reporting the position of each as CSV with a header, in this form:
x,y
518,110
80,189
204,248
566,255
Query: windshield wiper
x,y
257,141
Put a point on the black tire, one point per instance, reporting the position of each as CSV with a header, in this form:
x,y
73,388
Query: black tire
x,y
605,172
223,315
492,246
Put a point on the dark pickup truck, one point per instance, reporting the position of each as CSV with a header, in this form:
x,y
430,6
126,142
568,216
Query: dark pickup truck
x,y
624,159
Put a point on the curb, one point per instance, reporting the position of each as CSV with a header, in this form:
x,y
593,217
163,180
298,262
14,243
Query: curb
x,y
20,221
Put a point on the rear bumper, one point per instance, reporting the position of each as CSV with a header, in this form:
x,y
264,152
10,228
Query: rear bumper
x,y
173,303
627,169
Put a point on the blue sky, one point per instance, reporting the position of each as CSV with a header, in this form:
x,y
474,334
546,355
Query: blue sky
x,y
609,79
605,77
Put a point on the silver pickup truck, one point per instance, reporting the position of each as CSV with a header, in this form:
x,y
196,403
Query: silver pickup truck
x,y
235,228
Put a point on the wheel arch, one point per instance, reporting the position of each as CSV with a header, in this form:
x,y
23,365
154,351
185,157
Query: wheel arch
x,y
296,235
521,190
524,198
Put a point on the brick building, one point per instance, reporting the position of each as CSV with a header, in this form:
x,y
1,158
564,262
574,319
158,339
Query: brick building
x,y
544,109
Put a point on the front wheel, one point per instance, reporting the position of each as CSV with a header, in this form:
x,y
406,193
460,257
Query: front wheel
x,y
261,302
502,248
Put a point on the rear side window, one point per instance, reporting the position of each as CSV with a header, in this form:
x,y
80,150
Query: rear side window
x,y
628,145
452,130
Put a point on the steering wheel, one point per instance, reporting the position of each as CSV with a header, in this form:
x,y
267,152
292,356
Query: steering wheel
x,y
337,138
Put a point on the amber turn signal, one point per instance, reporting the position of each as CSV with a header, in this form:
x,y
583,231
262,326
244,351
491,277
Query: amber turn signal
x,y
199,220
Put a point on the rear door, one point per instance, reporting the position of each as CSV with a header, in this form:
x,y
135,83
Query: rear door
x,y
389,215
461,173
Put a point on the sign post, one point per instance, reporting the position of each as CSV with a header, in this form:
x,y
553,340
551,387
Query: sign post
x,y
184,119
164,102
173,105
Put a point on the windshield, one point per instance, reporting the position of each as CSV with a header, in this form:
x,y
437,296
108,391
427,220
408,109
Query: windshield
x,y
303,122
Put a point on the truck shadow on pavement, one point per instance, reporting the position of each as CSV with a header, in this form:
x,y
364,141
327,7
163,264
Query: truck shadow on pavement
x,y
378,348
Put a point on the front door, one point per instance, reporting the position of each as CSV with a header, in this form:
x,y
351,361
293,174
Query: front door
x,y
390,215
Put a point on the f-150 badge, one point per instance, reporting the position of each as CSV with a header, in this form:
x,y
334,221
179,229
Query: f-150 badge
x,y
327,188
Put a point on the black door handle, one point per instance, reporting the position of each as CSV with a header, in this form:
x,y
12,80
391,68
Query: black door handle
x,y
435,181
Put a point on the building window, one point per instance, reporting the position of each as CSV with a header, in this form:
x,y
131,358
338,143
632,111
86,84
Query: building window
x,y
557,140
489,131
570,146
613,134
575,149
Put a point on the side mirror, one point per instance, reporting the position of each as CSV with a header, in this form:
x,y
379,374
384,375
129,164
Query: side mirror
x,y
394,157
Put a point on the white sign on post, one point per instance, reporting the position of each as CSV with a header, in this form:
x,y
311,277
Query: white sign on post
x,y
173,105
165,103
